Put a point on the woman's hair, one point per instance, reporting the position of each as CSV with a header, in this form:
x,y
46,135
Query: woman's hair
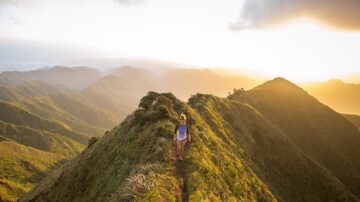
x,y
182,117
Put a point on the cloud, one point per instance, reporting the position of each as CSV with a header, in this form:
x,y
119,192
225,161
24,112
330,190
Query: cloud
x,y
130,2
342,14
16,3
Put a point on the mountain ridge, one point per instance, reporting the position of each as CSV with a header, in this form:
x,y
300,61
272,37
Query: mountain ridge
x,y
239,152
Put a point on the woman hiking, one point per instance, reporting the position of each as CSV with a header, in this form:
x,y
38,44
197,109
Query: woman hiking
x,y
181,135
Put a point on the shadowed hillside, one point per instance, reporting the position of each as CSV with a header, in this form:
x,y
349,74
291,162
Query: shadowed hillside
x,y
316,129
242,150
355,119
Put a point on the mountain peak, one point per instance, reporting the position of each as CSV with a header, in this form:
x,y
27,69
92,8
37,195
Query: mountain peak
x,y
276,87
280,87
278,81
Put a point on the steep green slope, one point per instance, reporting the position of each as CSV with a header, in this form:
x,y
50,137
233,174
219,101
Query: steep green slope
x,y
133,161
244,137
47,108
63,106
39,142
321,133
42,140
237,154
12,114
21,167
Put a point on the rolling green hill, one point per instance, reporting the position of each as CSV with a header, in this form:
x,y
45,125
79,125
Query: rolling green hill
x,y
272,143
21,167
66,107
42,140
16,116
39,145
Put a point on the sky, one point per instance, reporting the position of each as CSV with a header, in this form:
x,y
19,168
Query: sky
x,y
296,39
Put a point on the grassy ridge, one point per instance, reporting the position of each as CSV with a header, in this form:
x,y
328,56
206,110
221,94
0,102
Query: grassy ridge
x,y
218,168
247,147
237,154
281,168
121,172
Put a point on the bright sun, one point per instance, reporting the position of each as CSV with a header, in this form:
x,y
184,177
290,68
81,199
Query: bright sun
x,y
302,51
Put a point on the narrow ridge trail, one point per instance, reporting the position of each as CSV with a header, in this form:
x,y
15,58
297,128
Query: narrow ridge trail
x,y
180,173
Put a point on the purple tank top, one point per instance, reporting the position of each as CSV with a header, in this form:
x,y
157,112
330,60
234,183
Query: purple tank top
x,y
181,132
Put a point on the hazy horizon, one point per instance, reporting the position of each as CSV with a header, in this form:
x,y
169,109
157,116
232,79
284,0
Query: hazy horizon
x,y
298,40
159,65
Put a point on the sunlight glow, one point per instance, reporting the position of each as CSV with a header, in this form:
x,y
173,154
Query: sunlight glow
x,y
189,34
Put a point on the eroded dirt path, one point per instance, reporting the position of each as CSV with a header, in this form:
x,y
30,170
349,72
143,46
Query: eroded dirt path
x,y
180,173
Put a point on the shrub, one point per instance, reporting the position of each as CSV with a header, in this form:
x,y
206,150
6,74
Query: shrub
x,y
146,101
92,141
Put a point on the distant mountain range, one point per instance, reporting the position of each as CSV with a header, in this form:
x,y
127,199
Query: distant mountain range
x,y
58,109
341,96
75,78
274,142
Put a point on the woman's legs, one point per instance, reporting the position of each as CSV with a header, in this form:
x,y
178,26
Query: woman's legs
x,y
182,148
178,147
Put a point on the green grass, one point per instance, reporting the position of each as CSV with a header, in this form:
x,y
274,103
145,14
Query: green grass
x,y
21,167
42,140
69,111
15,115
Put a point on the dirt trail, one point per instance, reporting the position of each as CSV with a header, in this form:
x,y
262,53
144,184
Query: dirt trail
x,y
180,173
